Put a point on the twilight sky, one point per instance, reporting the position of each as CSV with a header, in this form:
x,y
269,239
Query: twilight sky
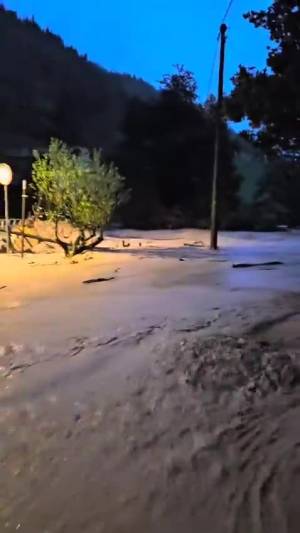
x,y
147,37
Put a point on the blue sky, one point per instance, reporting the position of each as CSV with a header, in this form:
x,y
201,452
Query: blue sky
x,y
146,38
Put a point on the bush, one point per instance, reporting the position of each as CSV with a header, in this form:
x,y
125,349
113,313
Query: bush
x,y
79,188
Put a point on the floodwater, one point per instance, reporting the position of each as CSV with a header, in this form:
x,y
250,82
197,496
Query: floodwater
x,y
164,401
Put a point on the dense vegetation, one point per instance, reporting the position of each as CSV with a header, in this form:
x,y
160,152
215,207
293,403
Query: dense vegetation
x,y
270,99
78,188
161,140
167,156
49,90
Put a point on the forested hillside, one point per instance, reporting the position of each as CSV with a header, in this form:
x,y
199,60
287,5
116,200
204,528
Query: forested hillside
x,y
162,140
49,90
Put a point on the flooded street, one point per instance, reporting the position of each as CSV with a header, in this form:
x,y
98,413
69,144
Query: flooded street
x,y
165,400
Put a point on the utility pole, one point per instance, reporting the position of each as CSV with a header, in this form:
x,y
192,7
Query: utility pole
x,y
214,200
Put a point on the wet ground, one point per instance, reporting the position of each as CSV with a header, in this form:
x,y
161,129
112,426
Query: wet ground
x,y
165,402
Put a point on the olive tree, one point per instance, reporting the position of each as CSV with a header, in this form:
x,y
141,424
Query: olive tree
x,y
77,187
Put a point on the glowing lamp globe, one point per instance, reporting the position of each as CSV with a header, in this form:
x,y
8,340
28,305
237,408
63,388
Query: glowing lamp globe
x,y
6,174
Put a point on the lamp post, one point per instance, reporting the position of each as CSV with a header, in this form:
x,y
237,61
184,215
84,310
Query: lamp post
x,y
6,177
24,196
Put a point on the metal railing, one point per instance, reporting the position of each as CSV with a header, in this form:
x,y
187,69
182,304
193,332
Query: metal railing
x,y
12,222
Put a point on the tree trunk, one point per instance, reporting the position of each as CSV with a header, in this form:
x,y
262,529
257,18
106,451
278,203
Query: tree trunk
x,y
86,245
65,246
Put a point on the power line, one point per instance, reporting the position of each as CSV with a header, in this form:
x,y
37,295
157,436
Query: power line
x,y
228,10
213,68
211,77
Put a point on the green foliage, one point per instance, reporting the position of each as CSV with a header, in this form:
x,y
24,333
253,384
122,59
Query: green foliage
x,y
79,188
252,166
279,193
270,99
276,201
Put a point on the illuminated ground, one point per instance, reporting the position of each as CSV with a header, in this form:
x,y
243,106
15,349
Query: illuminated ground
x,y
98,427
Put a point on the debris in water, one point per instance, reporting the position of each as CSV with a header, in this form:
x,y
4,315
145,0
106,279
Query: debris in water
x,y
196,244
98,280
248,265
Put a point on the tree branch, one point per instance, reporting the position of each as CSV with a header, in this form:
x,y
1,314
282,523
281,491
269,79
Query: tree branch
x,y
85,247
29,236
65,246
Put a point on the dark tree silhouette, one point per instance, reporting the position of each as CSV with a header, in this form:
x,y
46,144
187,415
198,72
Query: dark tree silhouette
x,y
271,98
167,156
182,84
48,89
161,140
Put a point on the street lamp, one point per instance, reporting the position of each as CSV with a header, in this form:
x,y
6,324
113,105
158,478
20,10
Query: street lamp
x,y
6,177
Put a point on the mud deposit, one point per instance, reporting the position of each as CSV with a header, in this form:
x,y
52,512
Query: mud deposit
x,y
164,401
207,439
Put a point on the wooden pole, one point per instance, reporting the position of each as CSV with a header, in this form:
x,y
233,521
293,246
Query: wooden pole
x,y
214,200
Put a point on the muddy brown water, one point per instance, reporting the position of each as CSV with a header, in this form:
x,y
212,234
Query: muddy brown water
x,y
91,446
206,440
